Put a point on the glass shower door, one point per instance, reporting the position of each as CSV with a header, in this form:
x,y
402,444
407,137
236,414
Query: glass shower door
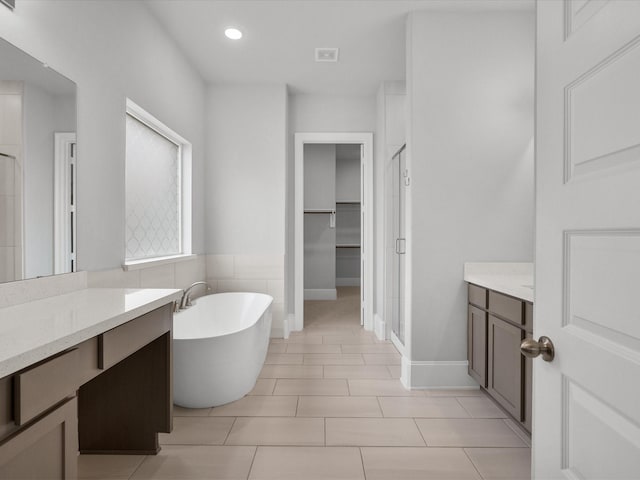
x,y
400,180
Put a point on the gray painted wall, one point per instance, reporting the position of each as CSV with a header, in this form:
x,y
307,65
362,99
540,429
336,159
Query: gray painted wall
x,y
470,85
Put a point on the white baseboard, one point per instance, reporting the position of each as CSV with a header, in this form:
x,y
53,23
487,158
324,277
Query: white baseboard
x,y
320,294
347,282
379,327
445,374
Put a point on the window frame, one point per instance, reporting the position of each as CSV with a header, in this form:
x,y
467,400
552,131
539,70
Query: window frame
x,y
184,194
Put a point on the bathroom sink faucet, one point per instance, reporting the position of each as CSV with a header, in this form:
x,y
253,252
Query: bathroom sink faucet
x,y
185,301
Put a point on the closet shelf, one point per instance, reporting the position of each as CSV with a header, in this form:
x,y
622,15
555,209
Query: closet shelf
x,y
347,203
320,211
347,245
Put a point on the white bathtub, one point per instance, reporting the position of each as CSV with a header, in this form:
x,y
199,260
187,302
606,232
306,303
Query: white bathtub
x,y
219,347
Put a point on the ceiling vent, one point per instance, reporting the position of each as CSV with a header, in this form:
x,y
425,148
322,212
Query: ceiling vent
x,y
327,54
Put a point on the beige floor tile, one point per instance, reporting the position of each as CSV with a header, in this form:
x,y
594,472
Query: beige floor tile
x,y
190,412
291,371
501,463
386,348
453,392
445,407
347,339
258,406
321,330
283,359
277,431
308,463
481,407
306,339
467,432
332,359
382,358
321,406
264,386
311,386
197,431
410,463
383,432
394,370
277,348
356,371
311,348
381,387
100,467
197,463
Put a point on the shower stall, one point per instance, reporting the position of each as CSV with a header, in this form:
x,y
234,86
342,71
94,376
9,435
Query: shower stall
x,y
399,181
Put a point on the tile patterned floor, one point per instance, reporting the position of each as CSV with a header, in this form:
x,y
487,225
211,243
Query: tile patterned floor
x,y
329,405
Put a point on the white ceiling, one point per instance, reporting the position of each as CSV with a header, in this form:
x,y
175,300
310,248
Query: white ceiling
x,y
280,37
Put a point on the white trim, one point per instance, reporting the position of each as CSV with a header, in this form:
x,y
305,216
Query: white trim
x,y
154,262
429,374
320,294
62,208
366,140
347,281
380,327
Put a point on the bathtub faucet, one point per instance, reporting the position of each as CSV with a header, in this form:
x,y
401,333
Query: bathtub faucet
x,y
185,301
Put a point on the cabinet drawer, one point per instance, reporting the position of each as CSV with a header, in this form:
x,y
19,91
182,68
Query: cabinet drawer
x,y
41,387
118,343
506,307
477,296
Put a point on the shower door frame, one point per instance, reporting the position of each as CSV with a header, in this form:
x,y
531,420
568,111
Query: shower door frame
x,y
366,290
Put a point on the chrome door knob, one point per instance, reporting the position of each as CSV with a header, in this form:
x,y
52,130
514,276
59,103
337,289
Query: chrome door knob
x,y
544,346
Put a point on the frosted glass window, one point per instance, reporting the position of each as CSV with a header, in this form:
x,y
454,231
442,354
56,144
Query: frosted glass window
x,y
153,196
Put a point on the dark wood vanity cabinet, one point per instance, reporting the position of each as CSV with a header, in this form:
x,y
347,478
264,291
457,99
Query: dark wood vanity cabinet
x,y
497,324
109,394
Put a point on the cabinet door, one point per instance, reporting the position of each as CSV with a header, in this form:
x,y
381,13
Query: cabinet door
x,y
477,345
505,365
46,449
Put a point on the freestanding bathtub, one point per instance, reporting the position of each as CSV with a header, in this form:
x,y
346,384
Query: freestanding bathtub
x,y
219,347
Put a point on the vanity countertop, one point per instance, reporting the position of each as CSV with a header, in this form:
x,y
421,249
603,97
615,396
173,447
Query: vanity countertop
x,y
515,279
33,331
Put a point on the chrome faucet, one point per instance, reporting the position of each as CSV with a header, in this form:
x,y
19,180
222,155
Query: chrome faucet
x,y
185,301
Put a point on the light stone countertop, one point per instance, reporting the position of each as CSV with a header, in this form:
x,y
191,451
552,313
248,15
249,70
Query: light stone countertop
x,y
33,331
515,279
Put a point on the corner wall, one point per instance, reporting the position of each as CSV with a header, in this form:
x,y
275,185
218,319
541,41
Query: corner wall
x,y
470,85
245,200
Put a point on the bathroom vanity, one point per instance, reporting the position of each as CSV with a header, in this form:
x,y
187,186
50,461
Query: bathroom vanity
x,y
499,317
88,371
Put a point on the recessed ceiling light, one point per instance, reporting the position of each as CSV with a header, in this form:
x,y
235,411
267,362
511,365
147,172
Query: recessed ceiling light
x,y
233,33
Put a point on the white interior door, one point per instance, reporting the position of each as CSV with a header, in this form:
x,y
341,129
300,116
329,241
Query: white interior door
x,y
587,400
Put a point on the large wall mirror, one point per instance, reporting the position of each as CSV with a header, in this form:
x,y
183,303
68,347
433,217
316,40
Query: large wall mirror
x,y
37,168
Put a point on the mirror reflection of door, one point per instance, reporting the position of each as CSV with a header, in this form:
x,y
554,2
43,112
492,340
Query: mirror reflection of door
x,y
65,203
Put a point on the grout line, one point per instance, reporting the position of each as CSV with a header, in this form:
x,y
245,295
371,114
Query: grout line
x,y
461,404
364,472
474,465
229,432
297,403
324,423
420,431
138,466
381,410
253,459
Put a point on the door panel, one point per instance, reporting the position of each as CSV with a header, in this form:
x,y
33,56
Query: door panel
x,y
586,418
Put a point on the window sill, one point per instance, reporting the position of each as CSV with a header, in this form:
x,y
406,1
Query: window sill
x,y
154,262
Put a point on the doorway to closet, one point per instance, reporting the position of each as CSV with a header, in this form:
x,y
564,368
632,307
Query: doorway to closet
x,y
333,224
